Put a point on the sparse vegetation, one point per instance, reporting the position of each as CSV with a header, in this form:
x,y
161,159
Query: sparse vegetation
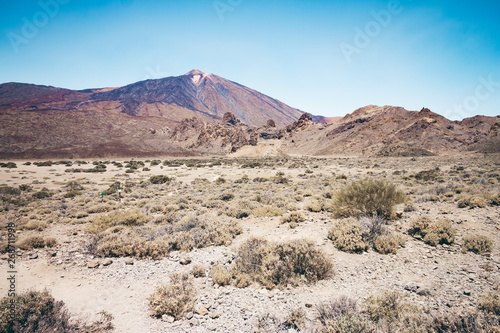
x,y
443,291
39,312
174,299
472,201
368,197
138,238
128,218
348,235
477,244
198,271
293,217
386,244
36,242
280,264
490,302
433,233
160,179
220,275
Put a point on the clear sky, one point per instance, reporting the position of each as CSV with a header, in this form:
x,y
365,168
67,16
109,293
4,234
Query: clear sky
x,y
323,57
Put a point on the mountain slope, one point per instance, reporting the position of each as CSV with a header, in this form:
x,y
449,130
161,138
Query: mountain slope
x,y
208,94
389,131
45,121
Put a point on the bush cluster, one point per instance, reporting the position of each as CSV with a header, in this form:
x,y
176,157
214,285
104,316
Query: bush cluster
x,y
433,233
36,242
156,241
348,235
174,299
391,312
477,244
368,197
39,312
280,264
159,179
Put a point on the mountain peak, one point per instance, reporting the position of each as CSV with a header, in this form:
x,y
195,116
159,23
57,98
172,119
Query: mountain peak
x,y
194,72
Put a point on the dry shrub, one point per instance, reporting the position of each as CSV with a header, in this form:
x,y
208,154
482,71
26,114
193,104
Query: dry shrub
x,y
156,241
440,232
99,208
36,242
35,224
342,315
433,233
281,264
127,218
490,302
313,205
386,244
348,235
390,307
368,197
239,208
375,226
242,280
220,275
419,225
472,201
174,299
295,320
156,209
267,211
39,312
390,312
477,244
198,271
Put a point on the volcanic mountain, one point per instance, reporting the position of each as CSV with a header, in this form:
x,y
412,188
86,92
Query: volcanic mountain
x,y
198,113
48,121
207,96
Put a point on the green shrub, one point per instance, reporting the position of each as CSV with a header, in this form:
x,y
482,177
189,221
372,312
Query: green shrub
x,y
477,244
159,179
41,195
174,299
348,235
368,197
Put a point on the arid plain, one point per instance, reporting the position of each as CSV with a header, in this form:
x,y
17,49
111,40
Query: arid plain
x,y
260,244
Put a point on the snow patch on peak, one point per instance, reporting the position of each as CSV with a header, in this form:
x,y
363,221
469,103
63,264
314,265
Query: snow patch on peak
x,y
196,79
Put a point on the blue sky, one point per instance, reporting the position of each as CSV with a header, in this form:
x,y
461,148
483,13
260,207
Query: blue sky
x,y
323,57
